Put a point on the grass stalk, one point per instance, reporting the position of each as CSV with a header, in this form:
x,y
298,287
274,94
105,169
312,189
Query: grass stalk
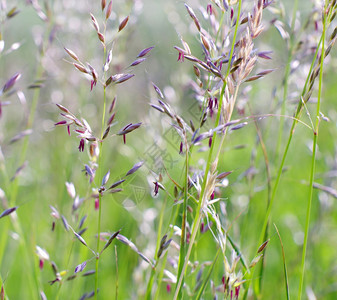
x,y
159,236
100,165
98,243
116,261
292,44
182,250
314,150
198,216
173,217
286,282
205,281
269,189
296,120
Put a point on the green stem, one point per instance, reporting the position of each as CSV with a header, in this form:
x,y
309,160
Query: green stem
x,y
98,242
203,286
198,215
100,203
184,220
286,77
116,293
284,265
313,158
159,236
285,153
172,220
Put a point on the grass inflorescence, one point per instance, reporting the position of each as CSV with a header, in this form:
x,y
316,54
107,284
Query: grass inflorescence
x,y
167,150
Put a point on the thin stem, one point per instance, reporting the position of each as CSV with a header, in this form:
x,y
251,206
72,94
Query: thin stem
x,y
99,181
159,236
286,76
197,218
285,153
184,220
313,157
280,169
116,294
284,264
220,25
269,189
98,242
203,286
172,220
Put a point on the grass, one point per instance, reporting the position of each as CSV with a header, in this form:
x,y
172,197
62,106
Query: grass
x,y
196,164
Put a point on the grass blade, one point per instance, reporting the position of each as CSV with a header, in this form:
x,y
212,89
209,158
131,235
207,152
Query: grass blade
x,y
204,283
284,264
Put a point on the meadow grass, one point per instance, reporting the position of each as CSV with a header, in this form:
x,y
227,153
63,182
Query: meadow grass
x,y
171,150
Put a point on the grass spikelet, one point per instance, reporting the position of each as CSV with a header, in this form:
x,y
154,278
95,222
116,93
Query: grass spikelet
x,y
8,211
123,24
112,237
196,219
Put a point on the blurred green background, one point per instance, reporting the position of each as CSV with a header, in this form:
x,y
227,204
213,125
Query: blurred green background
x,y
53,157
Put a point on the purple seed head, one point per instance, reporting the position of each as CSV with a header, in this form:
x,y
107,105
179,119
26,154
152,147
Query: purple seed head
x,y
81,146
156,188
209,9
237,290
144,52
181,56
41,263
181,148
92,84
9,84
96,203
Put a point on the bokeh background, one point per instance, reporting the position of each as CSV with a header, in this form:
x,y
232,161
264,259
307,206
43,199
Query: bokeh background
x,y
35,48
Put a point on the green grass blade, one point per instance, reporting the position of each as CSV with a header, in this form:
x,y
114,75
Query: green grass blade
x,y
204,283
286,281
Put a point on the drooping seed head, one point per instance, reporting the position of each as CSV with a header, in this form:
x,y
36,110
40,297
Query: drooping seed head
x,y
193,16
94,23
71,54
10,83
103,4
144,52
123,24
108,10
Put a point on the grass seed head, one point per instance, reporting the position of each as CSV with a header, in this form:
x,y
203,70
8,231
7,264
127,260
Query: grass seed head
x,y
71,54
94,23
108,10
144,52
103,4
123,24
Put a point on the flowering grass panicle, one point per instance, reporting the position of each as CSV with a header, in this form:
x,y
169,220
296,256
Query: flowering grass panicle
x,y
99,189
